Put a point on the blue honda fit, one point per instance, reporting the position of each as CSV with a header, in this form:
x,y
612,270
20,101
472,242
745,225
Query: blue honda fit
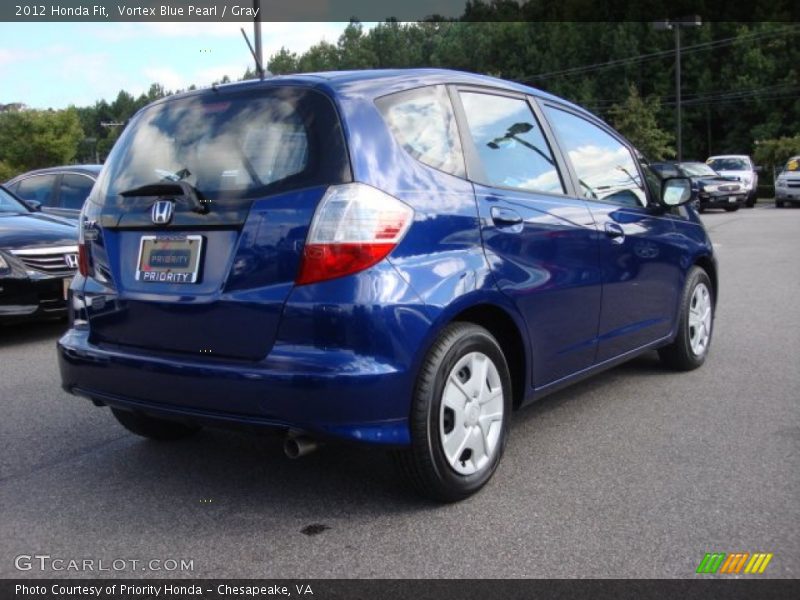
x,y
398,258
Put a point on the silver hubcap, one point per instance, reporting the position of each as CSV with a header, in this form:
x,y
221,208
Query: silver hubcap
x,y
700,319
471,415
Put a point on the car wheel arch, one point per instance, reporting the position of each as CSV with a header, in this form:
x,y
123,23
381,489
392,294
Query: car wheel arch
x,y
505,325
707,264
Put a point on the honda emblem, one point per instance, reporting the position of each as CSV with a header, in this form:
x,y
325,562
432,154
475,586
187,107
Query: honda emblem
x,y
161,212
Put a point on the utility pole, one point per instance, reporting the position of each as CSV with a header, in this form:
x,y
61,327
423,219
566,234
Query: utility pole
x,y
257,37
256,52
676,26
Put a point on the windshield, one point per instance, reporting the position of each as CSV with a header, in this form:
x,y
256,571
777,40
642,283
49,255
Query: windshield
x,y
697,170
229,145
10,204
728,164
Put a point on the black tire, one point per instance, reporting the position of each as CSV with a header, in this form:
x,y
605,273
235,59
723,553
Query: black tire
x,y
152,428
731,208
679,355
778,203
424,464
751,199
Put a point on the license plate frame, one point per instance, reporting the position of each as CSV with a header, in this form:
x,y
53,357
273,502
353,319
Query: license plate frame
x,y
169,274
732,199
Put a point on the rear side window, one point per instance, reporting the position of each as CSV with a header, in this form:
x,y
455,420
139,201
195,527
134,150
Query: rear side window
x,y
605,167
38,187
510,144
423,123
74,189
231,145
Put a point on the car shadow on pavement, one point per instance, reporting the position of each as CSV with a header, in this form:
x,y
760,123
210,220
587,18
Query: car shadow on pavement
x,y
646,366
243,478
30,331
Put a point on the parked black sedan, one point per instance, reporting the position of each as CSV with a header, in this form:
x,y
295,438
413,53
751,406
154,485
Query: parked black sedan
x,y
38,258
712,189
58,190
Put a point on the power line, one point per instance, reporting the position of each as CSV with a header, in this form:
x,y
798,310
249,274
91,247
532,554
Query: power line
x,y
711,96
791,30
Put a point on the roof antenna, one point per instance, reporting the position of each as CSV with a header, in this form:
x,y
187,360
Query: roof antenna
x,y
257,55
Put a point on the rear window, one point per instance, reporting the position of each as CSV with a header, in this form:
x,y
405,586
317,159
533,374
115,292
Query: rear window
x,y
230,145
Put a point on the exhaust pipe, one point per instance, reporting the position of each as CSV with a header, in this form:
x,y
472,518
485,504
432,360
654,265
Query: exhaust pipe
x,y
296,446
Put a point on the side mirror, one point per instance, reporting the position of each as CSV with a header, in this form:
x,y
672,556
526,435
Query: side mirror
x,y
676,191
34,205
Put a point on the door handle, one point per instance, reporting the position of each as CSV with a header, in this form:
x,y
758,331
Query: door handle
x,y
506,218
615,232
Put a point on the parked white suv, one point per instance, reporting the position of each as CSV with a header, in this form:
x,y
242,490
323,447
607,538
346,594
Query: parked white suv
x,y
740,167
787,184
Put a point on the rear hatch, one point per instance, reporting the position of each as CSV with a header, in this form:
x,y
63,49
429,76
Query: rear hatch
x,y
201,213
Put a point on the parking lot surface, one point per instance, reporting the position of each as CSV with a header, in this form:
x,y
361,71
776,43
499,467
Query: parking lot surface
x,y
635,473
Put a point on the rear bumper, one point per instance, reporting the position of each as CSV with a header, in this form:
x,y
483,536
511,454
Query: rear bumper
x,y
330,393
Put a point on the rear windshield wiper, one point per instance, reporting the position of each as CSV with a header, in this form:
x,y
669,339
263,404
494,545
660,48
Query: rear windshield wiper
x,y
171,189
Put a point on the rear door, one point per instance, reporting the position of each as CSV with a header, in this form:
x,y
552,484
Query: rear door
x,y
202,211
641,262
538,236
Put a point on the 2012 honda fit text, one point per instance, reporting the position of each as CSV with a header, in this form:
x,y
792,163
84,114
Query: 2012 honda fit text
x,y
398,258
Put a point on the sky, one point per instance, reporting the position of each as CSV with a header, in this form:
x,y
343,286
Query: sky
x,y
54,65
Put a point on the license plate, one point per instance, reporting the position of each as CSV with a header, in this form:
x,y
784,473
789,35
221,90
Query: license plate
x,y
169,259
732,199
65,283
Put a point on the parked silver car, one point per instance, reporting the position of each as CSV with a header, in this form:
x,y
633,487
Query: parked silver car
x,y
787,184
740,167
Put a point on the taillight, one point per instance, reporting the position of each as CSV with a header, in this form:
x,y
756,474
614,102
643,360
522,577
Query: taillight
x,y
355,227
83,251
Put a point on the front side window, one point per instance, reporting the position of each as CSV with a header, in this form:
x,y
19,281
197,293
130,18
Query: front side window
x,y
74,189
510,143
423,123
605,168
38,188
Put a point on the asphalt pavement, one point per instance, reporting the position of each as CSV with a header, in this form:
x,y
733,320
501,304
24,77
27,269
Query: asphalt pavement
x,y
637,472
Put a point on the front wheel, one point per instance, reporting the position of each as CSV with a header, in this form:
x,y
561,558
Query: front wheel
x,y
732,208
460,415
690,347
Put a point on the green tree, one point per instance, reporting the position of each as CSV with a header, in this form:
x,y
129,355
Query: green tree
x,y
775,152
281,63
636,119
320,57
354,48
33,139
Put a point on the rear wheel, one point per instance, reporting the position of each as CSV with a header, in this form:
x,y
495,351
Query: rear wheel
x,y
459,415
690,348
153,428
